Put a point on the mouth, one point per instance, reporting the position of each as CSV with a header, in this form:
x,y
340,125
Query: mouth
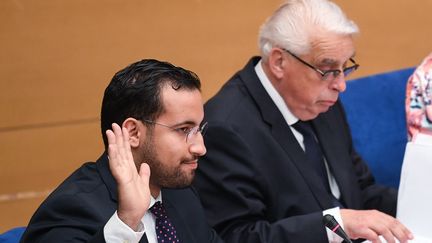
x,y
328,102
193,164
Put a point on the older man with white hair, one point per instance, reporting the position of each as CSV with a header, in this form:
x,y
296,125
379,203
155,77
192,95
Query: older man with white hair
x,y
280,153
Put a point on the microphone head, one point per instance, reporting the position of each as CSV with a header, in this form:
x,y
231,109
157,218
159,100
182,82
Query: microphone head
x,y
329,221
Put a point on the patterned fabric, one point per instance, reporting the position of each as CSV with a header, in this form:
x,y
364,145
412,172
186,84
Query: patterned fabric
x,y
418,99
165,230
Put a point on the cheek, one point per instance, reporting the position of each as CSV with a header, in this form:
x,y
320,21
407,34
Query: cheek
x,y
315,91
309,95
171,150
305,90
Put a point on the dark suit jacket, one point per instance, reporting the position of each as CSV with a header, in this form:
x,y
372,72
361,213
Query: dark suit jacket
x,y
254,181
79,208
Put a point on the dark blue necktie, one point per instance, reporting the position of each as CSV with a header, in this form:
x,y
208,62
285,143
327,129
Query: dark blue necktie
x,y
165,230
313,151
315,156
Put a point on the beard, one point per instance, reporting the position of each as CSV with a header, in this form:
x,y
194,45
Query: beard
x,y
164,175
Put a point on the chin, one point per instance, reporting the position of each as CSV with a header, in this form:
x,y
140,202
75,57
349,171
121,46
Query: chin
x,y
308,116
185,180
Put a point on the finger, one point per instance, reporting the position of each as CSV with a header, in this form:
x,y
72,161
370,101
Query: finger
x,y
125,134
402,233
145,173
390,228
114,160
127,147
112,153
110,136
407,232
381,223
117,131
369,234
388,236
119,142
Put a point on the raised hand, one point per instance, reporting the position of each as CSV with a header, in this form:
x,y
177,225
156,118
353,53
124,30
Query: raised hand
x,y
370,224
133,187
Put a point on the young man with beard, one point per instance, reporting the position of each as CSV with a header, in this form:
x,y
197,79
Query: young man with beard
x,y
138,190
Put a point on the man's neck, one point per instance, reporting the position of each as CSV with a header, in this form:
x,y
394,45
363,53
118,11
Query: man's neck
x,y
154,190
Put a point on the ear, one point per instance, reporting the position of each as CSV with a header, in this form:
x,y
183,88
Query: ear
x,y
135,131
277,63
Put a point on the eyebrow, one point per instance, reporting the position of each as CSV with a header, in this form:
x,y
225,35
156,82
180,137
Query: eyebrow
x,y
184,123
330,61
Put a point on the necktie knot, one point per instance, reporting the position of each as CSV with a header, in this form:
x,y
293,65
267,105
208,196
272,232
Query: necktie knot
x,y
304,128
158,210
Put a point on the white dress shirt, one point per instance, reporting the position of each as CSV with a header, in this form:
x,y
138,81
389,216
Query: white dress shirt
x,y
117,231
291,119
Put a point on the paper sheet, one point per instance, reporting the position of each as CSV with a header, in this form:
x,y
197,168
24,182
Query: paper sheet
x,y
415,189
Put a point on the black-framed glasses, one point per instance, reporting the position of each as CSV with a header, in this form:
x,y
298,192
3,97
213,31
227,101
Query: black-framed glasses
x,y
189,132
328,75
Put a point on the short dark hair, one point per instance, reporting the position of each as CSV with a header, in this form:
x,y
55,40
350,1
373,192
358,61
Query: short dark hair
x,y
135,91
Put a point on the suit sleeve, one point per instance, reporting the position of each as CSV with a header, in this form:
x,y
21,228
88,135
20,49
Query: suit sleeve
x,y
65,219
235,195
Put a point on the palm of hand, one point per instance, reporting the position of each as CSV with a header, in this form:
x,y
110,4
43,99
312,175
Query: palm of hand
x,y
133,187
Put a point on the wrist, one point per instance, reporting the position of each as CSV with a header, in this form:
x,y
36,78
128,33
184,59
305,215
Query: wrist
x,y
133,221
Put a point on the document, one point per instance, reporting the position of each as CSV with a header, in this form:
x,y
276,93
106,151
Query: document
x,y
415,190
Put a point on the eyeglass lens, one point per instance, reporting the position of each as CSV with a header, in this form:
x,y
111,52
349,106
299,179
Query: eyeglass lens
x,y
201,129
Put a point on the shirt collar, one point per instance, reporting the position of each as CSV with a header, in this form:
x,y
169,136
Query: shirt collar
x,y
289,117
154,200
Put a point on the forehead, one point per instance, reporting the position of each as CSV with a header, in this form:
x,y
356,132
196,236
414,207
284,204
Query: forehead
x,y
332,49
182,105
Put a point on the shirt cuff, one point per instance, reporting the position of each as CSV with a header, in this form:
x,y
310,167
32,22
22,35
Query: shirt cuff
x,y
333,237
116,230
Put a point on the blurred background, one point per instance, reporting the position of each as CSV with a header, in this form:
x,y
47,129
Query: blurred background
x,y
56,58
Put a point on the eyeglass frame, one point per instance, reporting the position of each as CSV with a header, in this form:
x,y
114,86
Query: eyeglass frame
x,y
328,73
191,131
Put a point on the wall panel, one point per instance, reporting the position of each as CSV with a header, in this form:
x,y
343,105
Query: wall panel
x,y
58,56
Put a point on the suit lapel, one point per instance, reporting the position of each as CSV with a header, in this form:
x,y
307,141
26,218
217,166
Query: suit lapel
x,y
336,159
283,135
180,225
102,165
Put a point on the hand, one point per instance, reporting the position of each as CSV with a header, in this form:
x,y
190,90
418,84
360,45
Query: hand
x,y
370,224
415,117
133,188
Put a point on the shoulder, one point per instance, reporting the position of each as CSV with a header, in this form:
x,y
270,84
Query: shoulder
x,y
83,189
78,206
85,179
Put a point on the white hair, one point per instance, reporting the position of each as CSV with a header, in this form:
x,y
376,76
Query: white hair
x,y
295,22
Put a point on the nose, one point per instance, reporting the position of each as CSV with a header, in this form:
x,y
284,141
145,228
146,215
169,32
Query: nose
x,y
339,83
197,146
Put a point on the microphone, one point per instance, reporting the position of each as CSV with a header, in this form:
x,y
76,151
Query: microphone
x,y
331,223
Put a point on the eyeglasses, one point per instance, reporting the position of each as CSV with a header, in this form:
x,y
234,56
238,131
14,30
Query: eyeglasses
x,y
328,75
189,132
